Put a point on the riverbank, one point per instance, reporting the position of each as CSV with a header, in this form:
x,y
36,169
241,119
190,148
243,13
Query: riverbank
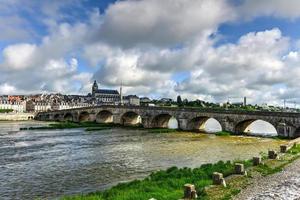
x,y
168,184
282,185
16,116
93,126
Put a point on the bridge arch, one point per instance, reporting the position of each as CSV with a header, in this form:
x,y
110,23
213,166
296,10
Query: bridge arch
x,y
205,124
163,121
131,118
84,117
56,117
104,116
256,127
68,117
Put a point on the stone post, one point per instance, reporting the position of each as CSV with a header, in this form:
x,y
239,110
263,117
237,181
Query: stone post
x,y
189,191
239,168
283,148
218,179
256,161
272,154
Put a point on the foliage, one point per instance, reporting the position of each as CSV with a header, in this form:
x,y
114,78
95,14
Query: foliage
x,y
6,110
294,150
179,100
267,170
97,128
223,133
163,185
69,125
162,130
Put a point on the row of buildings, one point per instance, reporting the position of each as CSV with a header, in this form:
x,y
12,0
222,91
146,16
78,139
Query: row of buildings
x,y
46,102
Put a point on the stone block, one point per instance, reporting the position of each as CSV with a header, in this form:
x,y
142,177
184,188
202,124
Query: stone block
x,y
190,191
239,168
256,161
223,182
272,154
283,148
217,178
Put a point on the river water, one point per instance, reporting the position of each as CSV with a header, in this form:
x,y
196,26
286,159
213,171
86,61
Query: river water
x,y
51,163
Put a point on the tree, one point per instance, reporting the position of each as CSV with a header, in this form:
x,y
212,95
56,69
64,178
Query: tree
x,y
179,100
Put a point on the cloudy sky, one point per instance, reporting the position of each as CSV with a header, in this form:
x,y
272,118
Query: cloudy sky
x,y
207,49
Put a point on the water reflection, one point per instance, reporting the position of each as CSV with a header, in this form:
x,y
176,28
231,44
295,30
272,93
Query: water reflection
x,y
260,127
53,163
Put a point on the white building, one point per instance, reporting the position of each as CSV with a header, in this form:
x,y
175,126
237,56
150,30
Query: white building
x,y
15,106
131,100
65,106
42,107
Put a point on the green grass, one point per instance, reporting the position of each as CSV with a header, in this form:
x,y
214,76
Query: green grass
x,y
70,125
223,133
163,185
294,150
97,128
6,110
267,170
162,130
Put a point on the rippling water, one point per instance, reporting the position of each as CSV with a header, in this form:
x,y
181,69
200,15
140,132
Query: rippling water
x,y
52,163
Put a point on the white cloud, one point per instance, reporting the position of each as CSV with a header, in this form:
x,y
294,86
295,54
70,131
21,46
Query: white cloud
x,y
18,56
251,67
161,23
278,8
7,89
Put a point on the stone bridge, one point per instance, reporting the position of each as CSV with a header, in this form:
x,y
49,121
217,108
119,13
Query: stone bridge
x,y
286,124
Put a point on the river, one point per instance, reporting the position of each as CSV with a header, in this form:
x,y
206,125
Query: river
x,y
52,163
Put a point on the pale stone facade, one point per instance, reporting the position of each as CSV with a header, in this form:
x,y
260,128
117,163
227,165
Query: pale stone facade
x,y
15,106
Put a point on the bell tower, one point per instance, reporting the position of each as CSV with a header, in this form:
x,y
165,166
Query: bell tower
x,y
94,88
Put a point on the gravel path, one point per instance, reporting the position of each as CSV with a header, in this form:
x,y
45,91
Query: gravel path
x,y
281,186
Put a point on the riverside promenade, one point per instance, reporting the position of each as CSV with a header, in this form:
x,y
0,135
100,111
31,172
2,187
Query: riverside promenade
x,y
16,116
284,185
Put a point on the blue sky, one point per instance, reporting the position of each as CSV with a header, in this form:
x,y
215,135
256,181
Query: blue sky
x,y
209,49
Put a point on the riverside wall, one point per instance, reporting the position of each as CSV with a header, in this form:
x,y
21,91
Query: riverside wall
x,y
16,116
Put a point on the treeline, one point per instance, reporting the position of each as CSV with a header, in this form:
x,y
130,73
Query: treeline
x,y
6,110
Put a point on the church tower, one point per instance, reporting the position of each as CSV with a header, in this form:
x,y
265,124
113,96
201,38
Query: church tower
x,y
94,88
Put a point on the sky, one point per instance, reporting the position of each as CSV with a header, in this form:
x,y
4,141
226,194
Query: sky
x,y
213,50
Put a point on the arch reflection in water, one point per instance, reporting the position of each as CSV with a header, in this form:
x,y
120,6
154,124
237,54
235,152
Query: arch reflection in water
x,y
257,127
205,124
131,119
173,123
165,121
104,116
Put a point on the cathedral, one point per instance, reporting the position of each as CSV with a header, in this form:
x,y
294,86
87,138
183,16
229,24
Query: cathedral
x,y
106,96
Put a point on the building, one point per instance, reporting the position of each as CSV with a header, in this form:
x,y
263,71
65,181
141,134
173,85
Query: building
x,y
132,100
19,107
42,107
145,101
105,96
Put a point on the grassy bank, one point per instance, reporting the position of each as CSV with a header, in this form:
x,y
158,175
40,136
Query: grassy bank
x,y
235,184
6,110
162,185
70,125
168,184
163,130
223,133
93,126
